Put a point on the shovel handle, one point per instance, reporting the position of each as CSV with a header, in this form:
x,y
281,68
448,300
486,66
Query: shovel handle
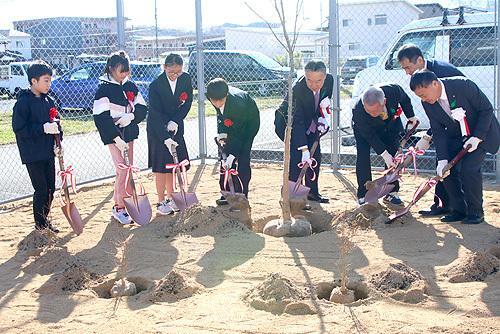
x,y
223,157
455,160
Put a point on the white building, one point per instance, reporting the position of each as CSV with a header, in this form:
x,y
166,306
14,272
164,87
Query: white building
x,y
262,40
17,41
366,27
3,43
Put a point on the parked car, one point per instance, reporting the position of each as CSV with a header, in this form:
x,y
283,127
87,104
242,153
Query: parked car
x,y
468,45
249,70
76,88
14,77
353,65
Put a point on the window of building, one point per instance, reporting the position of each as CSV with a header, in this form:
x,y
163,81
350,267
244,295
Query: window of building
x,y
380,19
19,44
353,46
16,70
369,21
346,23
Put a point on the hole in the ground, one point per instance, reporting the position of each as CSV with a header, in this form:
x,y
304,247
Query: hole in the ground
x,y
359,289
103,290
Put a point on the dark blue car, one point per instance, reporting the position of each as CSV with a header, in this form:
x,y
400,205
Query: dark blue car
x,y
75,89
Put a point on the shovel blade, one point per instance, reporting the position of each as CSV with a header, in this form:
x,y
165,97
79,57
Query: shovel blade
x,y
141,212
398,214
297,190
236,200
374,194
73,216
184,201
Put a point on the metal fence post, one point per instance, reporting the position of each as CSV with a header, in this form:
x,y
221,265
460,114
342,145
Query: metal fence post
x,y
333,44
497,79
200,84
120,20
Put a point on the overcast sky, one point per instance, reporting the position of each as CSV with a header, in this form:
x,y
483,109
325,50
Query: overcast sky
x,y
171,14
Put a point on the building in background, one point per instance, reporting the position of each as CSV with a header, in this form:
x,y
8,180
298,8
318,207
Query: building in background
x,y
144,47
430,10
59,40
17,42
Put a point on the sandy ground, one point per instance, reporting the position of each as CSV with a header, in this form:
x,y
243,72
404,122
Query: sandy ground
x,y
210,274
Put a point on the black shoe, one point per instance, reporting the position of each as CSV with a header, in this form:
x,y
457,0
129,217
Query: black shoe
x,y
221,201
473,219
47,226
453,217
434,211
393,199
318,198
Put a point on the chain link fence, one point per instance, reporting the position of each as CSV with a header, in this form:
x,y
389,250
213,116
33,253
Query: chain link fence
x,y
249,57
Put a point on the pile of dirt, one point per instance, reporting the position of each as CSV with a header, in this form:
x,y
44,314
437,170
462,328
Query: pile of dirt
x,y
364,216
74,278
50,261
475,266
173,287
400,282
277,294
34,243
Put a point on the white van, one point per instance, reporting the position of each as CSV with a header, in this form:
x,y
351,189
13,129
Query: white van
x,y
14,77
469,46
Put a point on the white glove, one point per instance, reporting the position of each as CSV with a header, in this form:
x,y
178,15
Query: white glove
x,y
229,161
306,155
423,144
125,120
440,168
221,138
388,159
169,143
120,144
474,142
51,128
58,151
322,125
172,127
412,120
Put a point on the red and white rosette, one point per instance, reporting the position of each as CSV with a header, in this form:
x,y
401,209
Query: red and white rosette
x,y
458,115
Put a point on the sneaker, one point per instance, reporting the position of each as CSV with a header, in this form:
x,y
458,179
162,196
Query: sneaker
x,y
121,215
173,206
47,226
221,201
393,199
361,201
164,208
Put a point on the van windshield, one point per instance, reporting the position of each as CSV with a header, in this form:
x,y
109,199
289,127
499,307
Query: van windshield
x,y
265,61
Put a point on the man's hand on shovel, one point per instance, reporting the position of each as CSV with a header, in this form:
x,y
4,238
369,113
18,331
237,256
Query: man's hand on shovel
x,y
169,142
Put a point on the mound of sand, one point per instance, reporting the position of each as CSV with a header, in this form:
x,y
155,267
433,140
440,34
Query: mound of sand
x,y
74,278
277,294
173,287
364,216
475,266
400,282
50,261
34,243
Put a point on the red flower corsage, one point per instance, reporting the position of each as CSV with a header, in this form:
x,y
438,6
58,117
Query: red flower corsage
x,y
53,114
398,113
183,97
228,123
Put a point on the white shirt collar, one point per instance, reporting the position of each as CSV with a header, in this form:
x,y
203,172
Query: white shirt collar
x,y
425,64
172,84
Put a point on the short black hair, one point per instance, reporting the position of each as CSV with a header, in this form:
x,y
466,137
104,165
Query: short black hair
x,y
173,59
217,89
38,69
116,59
315,66
422,78
411,52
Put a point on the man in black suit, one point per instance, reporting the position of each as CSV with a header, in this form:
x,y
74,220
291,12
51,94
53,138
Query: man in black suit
x,y
311,97
377,124
238,122
460,115
411,59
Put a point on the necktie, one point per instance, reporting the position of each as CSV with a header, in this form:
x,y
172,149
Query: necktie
x,y
445,105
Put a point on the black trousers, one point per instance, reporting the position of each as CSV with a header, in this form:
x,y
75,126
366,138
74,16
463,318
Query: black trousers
x,y
243,168
43,178
440,194
465,183
296,158
363,162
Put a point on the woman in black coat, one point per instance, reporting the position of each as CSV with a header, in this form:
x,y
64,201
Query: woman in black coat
x,y
170,99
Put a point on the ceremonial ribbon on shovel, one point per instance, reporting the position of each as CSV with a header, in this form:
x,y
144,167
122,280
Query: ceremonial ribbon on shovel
x,y
182,166
67,174
312,163
230,172
130,171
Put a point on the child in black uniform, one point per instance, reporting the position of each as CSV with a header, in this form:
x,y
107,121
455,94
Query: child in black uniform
x,y
35,130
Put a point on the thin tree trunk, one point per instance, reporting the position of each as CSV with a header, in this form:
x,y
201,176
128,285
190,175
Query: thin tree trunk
x,y
285,208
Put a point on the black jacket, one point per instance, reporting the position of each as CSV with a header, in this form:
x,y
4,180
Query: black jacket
x,y
464,93
443,69
240,120
30,113
373,128
165,106
111,101
304,111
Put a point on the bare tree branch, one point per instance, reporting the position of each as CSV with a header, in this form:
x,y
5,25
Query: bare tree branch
x,y
268,24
